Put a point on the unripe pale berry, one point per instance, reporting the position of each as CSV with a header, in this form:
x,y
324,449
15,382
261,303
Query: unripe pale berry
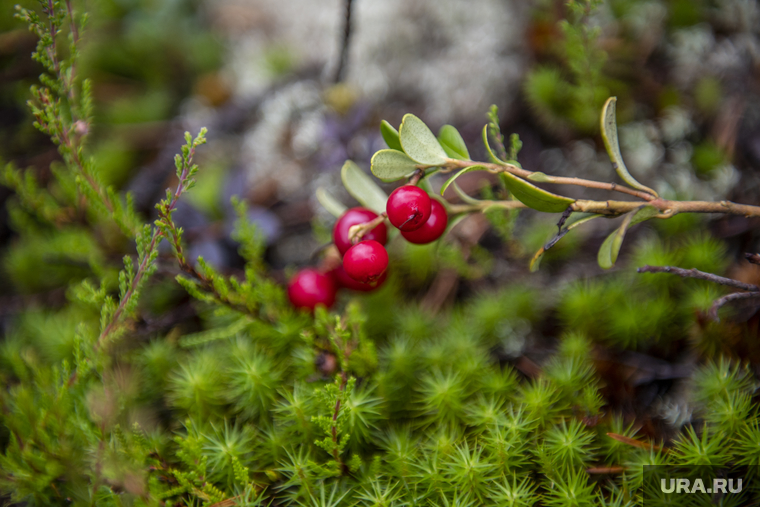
x,y
343,280
366,261
432,229
408,207
356,216
310,288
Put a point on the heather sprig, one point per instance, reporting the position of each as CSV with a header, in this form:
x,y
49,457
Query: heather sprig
x,y
62,108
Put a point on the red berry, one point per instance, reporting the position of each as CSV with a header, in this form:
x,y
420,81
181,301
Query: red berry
x,y
343,280
408,207
366,261
432,229
356,216
310,288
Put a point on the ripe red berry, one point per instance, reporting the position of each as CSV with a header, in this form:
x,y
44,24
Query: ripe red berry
x,y
408,207
343,280
432,229
356,216
310,288
366,261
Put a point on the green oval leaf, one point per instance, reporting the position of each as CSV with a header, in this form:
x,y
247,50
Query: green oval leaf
x,y
535,262
534,197
608,252
390,136
611,144
452,143
577,219
362,187
330,203
491,154
392,165
419,142
465,198
457,175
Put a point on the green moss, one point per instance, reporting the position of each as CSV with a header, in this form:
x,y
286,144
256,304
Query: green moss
x,y
583,307
705,253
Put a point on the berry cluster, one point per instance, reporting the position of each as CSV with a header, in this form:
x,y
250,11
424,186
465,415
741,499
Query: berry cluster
x,y
420,219
364,266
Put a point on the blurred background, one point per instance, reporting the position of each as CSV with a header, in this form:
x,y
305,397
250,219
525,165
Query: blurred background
x,y
284,112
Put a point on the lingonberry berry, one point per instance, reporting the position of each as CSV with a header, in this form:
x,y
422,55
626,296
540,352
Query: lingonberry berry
x,y
408,207
343,280
366,261
352,217
432,229
310,288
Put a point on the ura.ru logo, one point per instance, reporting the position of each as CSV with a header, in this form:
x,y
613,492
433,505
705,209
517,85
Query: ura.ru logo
x,y
698,486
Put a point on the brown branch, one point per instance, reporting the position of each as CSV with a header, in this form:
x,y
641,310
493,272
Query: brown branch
x,y
635,443
754,290
560,180
695,273
666,207
727,299
752,257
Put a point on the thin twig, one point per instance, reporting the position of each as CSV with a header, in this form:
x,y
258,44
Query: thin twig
x,y
752,257
336,413
666,207
727,299
484,205
695,273
343,58
560,180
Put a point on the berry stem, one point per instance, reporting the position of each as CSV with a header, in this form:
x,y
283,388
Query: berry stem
x,y
356,232
417,176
